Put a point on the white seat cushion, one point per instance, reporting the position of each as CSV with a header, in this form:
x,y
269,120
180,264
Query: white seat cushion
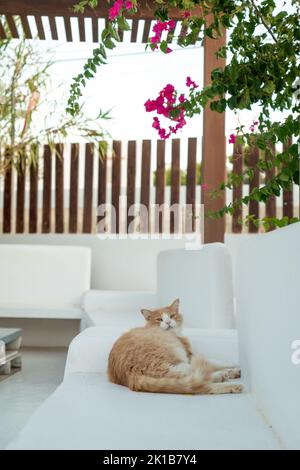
x,y
66,312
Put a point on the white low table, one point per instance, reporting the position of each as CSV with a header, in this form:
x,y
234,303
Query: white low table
x,y
10,355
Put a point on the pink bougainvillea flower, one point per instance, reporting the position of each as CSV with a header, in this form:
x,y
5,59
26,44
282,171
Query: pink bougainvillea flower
x,y
128,5
190,83
168,106
186,14
253,126
204,186
158,29
232,139
115,10
171,24
150,105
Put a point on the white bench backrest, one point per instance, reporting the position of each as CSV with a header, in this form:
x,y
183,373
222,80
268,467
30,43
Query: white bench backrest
x,y
202,279
43,275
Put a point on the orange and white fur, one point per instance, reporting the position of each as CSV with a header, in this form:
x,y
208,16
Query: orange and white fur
x,y
156,358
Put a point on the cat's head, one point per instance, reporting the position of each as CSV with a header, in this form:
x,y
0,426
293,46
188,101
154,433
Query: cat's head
x,y
166,318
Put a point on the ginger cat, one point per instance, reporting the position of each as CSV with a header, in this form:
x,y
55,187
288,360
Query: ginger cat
x,y
155,358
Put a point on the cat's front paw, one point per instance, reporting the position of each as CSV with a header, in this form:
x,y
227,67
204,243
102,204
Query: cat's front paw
x,y
233,373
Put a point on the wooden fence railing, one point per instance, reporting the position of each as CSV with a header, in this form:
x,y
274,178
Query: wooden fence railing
x,y
275,206
61,193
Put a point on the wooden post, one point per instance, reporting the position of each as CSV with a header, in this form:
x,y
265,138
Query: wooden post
x,y
214,147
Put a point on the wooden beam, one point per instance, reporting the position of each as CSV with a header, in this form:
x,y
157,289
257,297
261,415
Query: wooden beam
x,y
214,148
66,8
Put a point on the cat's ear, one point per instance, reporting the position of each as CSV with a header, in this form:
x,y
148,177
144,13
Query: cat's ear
x,y
175,305
146,313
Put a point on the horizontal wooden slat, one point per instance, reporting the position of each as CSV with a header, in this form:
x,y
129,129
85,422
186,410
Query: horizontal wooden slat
x,y
66,7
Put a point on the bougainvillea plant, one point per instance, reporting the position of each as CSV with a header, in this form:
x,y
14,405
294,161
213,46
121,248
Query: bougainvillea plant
x,y
264,50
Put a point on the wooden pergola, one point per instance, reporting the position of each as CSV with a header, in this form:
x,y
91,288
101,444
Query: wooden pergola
x,y
214,147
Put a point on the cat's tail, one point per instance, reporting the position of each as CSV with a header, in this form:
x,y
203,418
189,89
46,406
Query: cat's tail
x,y
193,383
